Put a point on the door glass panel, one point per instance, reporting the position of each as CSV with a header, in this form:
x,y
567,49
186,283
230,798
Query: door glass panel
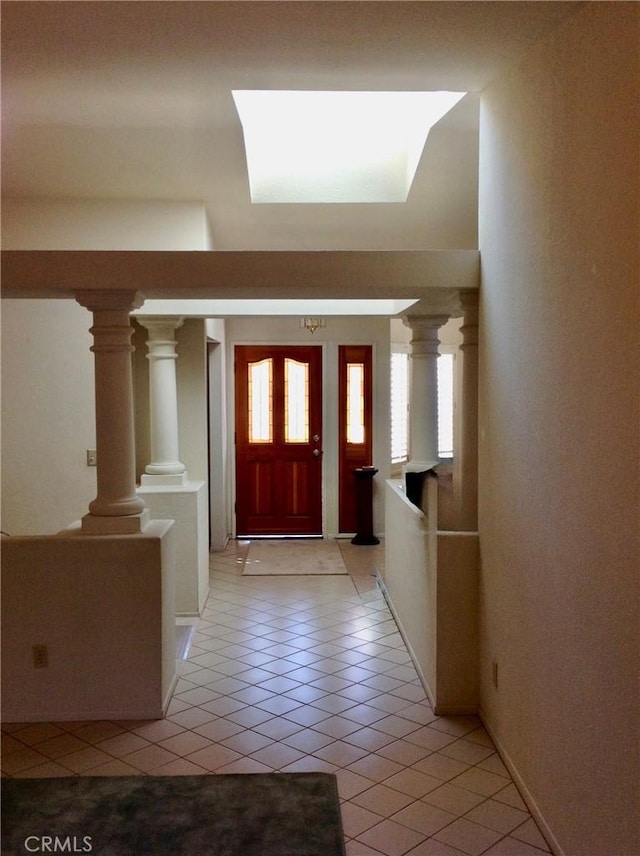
x,y
355,402
261,401
296,397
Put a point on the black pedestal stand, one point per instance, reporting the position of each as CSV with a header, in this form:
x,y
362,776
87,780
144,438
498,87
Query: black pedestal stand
x,y
364,506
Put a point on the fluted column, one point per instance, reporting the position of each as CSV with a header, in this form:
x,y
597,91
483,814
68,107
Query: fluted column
x,y
466,466
117,509
165,466
423,395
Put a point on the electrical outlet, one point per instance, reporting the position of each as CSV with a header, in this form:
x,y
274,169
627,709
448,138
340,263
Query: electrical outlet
x,y
494,673
40,656
92,458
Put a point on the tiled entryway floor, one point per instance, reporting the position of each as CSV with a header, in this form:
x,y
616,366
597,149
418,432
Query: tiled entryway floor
x,y
309,673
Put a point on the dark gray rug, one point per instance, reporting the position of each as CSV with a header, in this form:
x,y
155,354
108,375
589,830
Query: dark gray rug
x,y
270,814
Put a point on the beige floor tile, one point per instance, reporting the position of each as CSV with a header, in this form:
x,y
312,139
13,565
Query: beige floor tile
x,y
85,759
375,768
350,784
356,819
493,764
503,818
158,730
511,796
184,743
480,781
180,767
95,732
382,800
530,834
413,782
244,765
424,818
59,746
149,758
309,764
113,768
512,847
192,717
441,767
465,750
456,800
357,848
403,752
432,847
10,744
37,733
391,838
213,757
277,755
468,837
123,744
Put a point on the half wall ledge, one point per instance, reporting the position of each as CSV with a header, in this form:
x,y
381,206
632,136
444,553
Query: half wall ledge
x,y
79,597
431,583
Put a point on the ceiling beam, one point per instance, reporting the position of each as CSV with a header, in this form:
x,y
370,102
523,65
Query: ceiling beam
x,y
239,274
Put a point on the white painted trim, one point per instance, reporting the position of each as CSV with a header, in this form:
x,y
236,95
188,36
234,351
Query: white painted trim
x,y
524,791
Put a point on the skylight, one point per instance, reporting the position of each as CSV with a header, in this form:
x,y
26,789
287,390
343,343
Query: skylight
x,y
328,147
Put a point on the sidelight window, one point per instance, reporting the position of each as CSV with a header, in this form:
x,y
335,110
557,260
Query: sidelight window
x,y
355,403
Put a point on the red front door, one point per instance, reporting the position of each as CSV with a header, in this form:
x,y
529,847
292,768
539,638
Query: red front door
x,y
278,440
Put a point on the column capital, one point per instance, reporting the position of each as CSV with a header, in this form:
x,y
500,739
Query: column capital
x,y
160,326
424,329
118,300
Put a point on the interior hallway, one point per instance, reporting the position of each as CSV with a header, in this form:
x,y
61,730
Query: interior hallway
x,y
309,673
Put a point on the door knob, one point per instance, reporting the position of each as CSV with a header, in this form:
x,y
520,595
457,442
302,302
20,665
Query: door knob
x,y
316,453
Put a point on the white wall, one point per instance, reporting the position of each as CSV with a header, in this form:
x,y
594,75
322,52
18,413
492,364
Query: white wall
x,y
48,415
338,331
103,224
559,425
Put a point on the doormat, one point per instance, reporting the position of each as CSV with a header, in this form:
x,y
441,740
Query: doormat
x,y
253,814
296,556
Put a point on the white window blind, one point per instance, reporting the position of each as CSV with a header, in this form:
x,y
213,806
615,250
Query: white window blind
x,y
400,406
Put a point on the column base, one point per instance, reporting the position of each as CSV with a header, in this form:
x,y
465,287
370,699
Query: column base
x,y
159,479
129,524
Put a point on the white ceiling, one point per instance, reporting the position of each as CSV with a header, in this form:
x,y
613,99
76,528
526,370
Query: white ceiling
x,y
132,100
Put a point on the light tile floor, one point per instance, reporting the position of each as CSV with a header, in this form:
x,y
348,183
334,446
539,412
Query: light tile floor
x,y
309,673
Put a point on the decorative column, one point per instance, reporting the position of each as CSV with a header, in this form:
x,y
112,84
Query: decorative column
x,y
423,394
466,467
117,509
165,467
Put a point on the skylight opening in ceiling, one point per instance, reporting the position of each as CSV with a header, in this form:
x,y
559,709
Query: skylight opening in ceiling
x,y
336,147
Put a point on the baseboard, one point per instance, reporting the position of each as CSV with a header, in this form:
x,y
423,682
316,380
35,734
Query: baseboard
x,y
414,659
168,697
522,788
155,711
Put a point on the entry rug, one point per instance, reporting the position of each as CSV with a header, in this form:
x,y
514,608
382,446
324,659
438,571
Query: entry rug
x,y
293,556
253,814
